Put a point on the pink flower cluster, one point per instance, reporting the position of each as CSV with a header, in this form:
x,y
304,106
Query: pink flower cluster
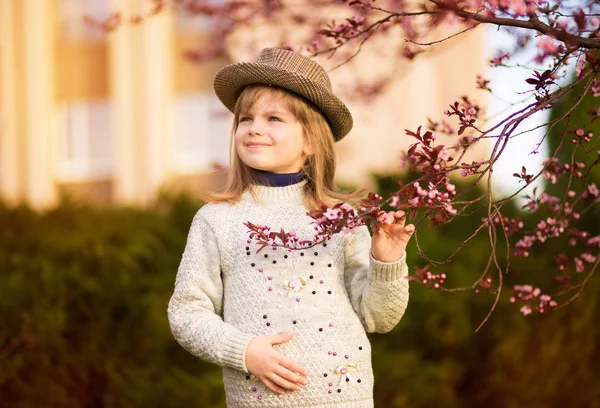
x,y
499,60
547,47
483,83
442,126
596,87
579,265
469,169
584,238
485,286
591,193
510,225
466,111
562,260
550,228
515,8
328,221
532,299
265,237
523,245
581,136
432,197
551,202
431,280
554,169
425,156
345,30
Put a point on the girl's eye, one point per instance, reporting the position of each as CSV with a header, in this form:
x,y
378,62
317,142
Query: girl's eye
x,y
275,118
244,119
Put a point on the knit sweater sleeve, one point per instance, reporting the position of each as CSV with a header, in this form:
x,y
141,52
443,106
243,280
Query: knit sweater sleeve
x,y
194,309
378,290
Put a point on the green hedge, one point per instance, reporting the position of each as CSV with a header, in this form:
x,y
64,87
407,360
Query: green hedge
x,y
83,303
84,291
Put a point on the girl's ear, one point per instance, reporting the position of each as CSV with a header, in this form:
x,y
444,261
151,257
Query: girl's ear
x,y
308,148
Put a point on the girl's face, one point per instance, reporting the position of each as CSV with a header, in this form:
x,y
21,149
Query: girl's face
x,y
269,137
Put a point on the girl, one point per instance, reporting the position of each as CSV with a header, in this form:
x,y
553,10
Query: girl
x,y
292,329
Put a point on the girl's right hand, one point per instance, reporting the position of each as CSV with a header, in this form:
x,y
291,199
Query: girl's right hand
x,y
274,369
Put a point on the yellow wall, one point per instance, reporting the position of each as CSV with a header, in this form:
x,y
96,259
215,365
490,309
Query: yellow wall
x,y
81,70
140,70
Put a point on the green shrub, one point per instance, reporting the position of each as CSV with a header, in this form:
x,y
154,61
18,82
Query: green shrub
x,y
84,291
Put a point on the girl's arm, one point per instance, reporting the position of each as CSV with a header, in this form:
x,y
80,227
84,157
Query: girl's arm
x,y
378,290
195,307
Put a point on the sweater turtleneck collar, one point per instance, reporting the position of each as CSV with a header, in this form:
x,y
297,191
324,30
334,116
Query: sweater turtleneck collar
x,y
266,194
269,179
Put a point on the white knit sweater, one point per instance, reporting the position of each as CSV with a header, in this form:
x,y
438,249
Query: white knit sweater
x,y
226,293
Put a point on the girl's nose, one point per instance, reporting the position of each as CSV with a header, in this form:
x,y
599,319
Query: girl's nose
x,y
255,128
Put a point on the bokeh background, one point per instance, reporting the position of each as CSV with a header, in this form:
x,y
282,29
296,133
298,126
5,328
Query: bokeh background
x,y
106,141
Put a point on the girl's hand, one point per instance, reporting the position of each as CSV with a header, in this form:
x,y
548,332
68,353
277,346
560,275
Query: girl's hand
x,y
275,370
390,236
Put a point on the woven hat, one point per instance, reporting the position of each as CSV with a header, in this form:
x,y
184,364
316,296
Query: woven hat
x,y
291,71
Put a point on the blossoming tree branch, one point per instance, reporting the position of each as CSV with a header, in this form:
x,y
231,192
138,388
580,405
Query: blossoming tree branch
x,y
565,33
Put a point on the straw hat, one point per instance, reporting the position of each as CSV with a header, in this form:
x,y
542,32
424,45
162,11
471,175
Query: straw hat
x,y
289,70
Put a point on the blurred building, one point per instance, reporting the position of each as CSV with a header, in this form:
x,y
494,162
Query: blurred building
x,y
114,118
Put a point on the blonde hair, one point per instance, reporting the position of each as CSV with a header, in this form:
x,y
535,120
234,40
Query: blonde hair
x,y
318,168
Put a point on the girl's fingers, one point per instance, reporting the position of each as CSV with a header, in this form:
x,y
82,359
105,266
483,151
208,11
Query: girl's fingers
x,y
290,376
288,363
283,383
400,218
272,386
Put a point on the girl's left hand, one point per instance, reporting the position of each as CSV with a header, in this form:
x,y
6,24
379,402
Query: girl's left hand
x,y
390,236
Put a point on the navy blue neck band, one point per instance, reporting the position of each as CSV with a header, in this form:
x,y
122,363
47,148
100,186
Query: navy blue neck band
x,y
279,180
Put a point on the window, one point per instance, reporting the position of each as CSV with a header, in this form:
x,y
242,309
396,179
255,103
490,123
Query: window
x,y
84,145
202,132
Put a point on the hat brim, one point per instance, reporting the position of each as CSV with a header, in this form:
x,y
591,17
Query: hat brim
x,y
232,79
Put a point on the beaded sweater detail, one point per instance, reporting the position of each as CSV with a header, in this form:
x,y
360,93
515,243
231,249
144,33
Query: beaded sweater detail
x,y
330,295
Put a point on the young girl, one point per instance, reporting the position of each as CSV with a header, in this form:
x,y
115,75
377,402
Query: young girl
x,y
288,327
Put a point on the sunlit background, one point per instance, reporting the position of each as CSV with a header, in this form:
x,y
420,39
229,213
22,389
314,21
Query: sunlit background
x,y
116,117
106,141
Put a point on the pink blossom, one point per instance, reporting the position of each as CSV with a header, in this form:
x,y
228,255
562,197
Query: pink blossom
x,y
526,310
579,267
444,155
588,257
451,210
594,242
547,45
595,87
332,213
518,7
385,217
526,242
420,191
579,67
